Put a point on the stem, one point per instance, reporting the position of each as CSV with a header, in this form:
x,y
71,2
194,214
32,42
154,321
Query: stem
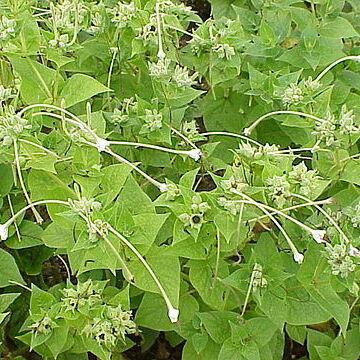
x,y
321,202
146,265
231,134
247,131
248,292
40,147
184,32
321,75
75,120
66,267
159,185
297,150
297,222
21,285
217,258
76,27
12,214
155,147
331,220
183,137
41,202
161,53
263,207
38,217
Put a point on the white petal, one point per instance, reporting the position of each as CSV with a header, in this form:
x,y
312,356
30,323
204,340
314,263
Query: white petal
x,y
173,315
163,187
101,144
4,232
319,236
161,54
195,154
353,251
298,258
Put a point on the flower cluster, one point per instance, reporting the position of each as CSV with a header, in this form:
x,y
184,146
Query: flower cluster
x,y
85,295
153,120
113,324
63,15
279,189
353,212
339,260
101,228
230,205
160,70
121,14
43,326
306,179
195,218
247,151
11,126
7,28
5,94
258,280
293,95
190,130
172,191
84,206
127,108
347,122
182,78
224,51
234,183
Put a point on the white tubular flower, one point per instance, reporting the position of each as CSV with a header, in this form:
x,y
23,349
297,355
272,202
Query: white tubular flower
x,y
173,315
195,154
353,251
4,232
101,144
299,258
163,188
319,236
161,54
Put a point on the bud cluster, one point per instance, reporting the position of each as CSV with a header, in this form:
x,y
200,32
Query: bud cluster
x,y
195,218
43,326
339,260
293,95
279,189
306,179
121,14
258,280
7,28
113,325
85,294
153,120
11,126
84,206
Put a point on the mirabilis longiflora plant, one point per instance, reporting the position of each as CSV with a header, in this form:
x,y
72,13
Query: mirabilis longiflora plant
x,y
266,186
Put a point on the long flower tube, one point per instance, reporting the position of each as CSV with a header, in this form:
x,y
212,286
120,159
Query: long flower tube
x,y
194,154
310,203
103,145
321,75
173,313
316,234
330,219
38,217
298,257
248,130
4,227
225,133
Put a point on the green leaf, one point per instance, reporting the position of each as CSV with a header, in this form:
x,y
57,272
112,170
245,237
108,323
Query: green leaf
x,y
37,80
9,271
6,179
79,88
337,28
6,300
152,312
317,283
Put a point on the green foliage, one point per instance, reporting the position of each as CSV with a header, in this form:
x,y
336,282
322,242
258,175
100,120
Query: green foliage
x,y
162,169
